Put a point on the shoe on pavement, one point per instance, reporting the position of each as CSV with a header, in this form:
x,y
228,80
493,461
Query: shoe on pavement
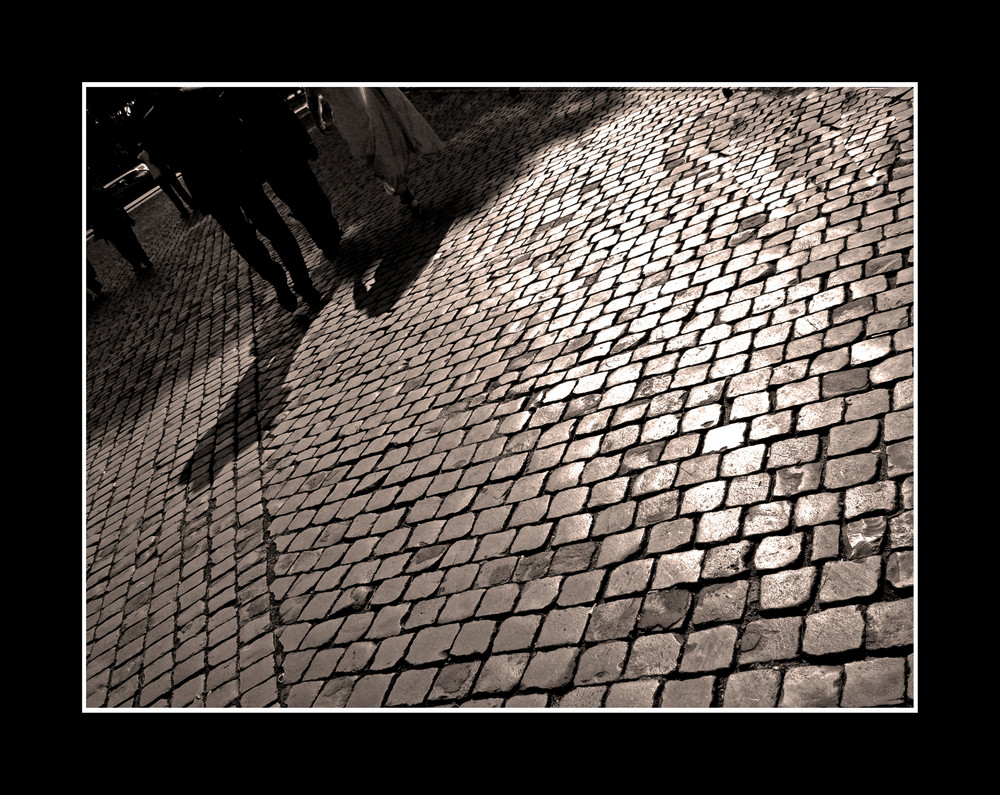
x,y
332,244
287,299
310,295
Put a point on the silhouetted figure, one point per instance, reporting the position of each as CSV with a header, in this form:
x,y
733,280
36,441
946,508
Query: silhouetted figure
x,y
110,222
197,133
94,286
279,145
166,179
382,129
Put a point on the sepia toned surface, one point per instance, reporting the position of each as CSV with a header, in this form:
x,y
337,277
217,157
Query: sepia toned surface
x,y
624,420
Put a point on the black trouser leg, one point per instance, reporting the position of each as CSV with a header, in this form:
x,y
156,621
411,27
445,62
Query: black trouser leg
x,y
93,283
129,247
265,216
244,238
296,185
168,189
179,190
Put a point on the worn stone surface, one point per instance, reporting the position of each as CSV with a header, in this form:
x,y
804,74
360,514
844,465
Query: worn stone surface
x,y
604,662
654,655
847,580
722,602
786,590
752,689
899,569
878,682
863,537
678,567
834,631
811,686
890,625
709,649
695,693
624,418
729,560
778,552
768,639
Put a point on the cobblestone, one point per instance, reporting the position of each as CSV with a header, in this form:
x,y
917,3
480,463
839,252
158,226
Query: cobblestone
x,y
752,689
890,625
874,683
810,687
787,589
625,419
694,693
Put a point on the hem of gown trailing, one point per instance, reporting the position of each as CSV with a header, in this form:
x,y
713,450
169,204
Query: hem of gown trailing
x,y
383,129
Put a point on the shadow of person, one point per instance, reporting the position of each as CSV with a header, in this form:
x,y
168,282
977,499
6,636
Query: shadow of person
x,y
252,409
416,242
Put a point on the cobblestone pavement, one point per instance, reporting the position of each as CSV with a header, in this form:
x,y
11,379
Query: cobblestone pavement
x,y
624,421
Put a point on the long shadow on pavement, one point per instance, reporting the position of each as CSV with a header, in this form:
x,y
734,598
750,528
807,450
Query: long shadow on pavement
x,y
399,267
259,398
144,325
264,390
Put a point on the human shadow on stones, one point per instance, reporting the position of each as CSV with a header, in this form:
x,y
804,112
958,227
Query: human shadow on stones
x,y
488,139
259,398
486,144
397,266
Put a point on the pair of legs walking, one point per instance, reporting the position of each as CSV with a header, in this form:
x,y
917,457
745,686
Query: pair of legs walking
x,y
241,220
128,245
172,186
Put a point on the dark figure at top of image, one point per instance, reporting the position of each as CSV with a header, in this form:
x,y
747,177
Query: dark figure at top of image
x,y
166,179
110,222
280,146
194,131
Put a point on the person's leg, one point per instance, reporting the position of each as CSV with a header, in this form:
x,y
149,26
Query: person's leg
x,y
179,189
244,239
93,283
131,249
168,189
265,216
296,185
407,198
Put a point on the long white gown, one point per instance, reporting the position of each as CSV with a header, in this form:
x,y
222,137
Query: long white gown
x,y
381,128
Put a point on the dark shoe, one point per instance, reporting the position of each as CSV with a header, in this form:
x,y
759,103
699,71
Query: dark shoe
x,y
409,201
287,299
310,295
332,245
